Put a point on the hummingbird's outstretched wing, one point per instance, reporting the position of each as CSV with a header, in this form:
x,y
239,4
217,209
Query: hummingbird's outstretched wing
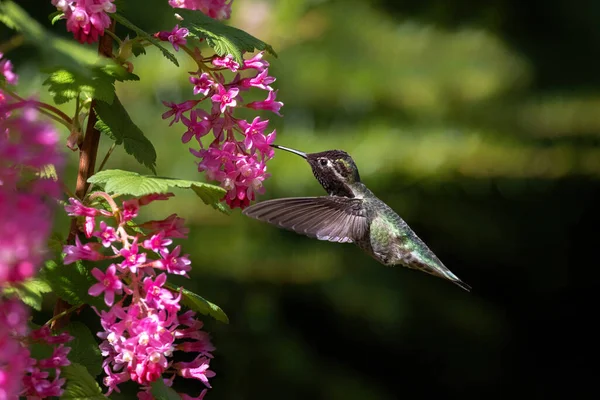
x,y
332,218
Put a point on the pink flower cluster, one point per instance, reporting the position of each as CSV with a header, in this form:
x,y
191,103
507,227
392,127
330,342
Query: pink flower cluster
x,y
20,373
37,382
143,326
87,19
26,146
14,357
239,150
217,9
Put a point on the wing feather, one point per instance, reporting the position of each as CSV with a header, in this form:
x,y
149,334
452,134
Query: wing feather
x,y
332,218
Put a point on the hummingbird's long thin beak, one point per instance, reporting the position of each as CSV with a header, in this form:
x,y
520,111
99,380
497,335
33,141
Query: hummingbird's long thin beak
x,y
301,154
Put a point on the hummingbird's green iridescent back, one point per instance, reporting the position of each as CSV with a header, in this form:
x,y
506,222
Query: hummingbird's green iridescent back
x,y
351,213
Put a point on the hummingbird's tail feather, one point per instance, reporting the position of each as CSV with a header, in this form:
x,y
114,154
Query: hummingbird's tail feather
x,y
438,269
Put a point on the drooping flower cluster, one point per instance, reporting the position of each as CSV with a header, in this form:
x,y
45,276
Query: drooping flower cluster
x,y
143,326
14,357
239,150
27,146
43,376
86,19
217,9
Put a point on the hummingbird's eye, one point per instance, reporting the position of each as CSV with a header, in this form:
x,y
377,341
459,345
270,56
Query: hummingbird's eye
x,y
323,162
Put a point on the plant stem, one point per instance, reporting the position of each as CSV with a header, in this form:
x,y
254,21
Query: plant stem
x,y
87,162
108,153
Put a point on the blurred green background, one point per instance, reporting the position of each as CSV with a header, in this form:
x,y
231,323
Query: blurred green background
x,y
478,122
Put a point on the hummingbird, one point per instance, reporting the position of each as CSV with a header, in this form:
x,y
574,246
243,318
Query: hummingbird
x,y
351,213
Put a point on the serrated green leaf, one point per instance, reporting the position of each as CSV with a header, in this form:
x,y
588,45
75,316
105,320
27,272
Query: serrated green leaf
x,y
134,184
55,243
30,292
41,350
222,38
199,304
53,50
84,348
114,121
71,283
141,33
65,85
212,198
160,391
119,73
137,49
80,384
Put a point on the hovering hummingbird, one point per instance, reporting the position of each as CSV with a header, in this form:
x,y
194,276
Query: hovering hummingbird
x,y
350,214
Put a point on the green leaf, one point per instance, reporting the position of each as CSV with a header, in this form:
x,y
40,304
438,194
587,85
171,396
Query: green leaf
x,y
212,198
114,121
30,292
65,85
160,391
134,184
141,33
40,350
222,38
71,283
199,304
52,50
55,243
138,49
55,16
84,348
80,384
119,73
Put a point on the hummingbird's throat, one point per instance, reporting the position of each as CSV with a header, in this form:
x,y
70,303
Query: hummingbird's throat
x,y
301,154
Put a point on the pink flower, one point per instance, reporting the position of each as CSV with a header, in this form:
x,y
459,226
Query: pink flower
x,y
178,109
226,98
202,84
173,226
199,124
88,251
157,243
58,358
7,71
256,62
261,81
268,104
217,9
172,263
86,19
132,259
176,36
108,283
106,234
226,62
130,209
188,397
197,369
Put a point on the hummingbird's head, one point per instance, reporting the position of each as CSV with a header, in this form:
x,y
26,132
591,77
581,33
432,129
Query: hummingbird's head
x,y
334,169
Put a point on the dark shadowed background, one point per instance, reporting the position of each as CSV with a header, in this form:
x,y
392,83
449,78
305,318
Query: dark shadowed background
x,y
479,123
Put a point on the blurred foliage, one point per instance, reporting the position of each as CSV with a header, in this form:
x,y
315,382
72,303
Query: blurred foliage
x,y
478,122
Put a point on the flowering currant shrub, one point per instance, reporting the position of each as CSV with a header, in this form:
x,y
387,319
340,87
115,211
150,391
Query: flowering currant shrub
x,y
111,266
